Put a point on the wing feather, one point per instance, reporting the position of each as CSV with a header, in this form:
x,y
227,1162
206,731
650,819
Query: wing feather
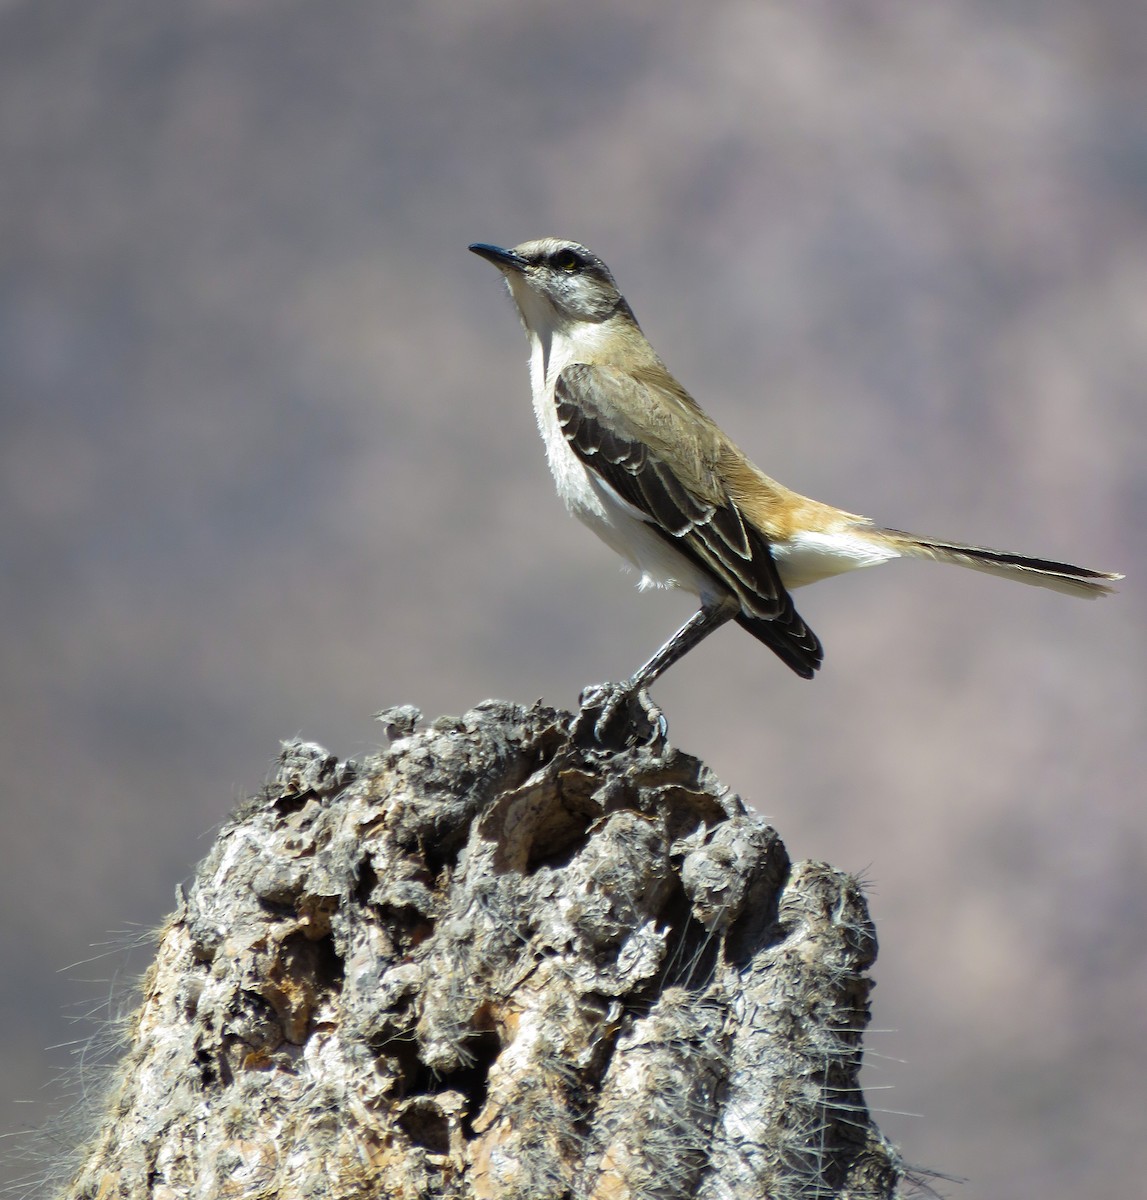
x,y
649,447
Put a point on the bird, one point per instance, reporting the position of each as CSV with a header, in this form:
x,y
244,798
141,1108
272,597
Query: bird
x,y
638,460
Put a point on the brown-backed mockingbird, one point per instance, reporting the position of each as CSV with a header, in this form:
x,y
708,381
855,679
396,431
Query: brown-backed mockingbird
x,y
636,458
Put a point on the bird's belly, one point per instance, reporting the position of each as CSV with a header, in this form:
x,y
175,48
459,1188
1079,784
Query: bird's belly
x,y
623,528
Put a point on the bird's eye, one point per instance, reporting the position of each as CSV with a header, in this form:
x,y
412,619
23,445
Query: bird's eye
x,y
566,260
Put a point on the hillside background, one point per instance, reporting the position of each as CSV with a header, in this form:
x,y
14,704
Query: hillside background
x,y
267,464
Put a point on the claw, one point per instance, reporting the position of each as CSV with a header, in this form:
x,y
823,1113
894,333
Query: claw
x,y
654,716
616,714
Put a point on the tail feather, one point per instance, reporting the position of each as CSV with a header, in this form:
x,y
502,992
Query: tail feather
x,y
1040,572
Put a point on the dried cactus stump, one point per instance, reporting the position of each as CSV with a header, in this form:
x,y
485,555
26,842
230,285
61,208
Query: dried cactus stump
x,y
490,963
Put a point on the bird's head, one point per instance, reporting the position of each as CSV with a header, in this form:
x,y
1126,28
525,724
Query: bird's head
x,y
557,284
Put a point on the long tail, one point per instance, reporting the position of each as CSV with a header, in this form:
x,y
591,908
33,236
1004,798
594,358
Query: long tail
x,y
1040,572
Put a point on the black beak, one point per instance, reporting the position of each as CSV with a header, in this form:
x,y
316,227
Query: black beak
x,y
504,260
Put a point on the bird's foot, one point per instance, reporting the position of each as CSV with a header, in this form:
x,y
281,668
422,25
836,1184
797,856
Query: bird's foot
x,y
618,715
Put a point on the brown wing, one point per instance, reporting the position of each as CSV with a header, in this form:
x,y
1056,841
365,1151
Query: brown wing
x,y
622,429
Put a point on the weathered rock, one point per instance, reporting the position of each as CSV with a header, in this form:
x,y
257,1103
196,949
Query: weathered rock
x,y
491,963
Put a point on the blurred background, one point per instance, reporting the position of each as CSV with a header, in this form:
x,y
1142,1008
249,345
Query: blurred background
x,y
268,464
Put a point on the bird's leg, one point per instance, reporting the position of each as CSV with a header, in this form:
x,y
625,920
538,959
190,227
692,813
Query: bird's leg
x,y
602,704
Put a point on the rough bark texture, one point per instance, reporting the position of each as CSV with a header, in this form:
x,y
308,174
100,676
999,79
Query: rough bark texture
x,y
492,963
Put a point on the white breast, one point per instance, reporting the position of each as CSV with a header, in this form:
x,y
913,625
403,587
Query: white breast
x,y
618,523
